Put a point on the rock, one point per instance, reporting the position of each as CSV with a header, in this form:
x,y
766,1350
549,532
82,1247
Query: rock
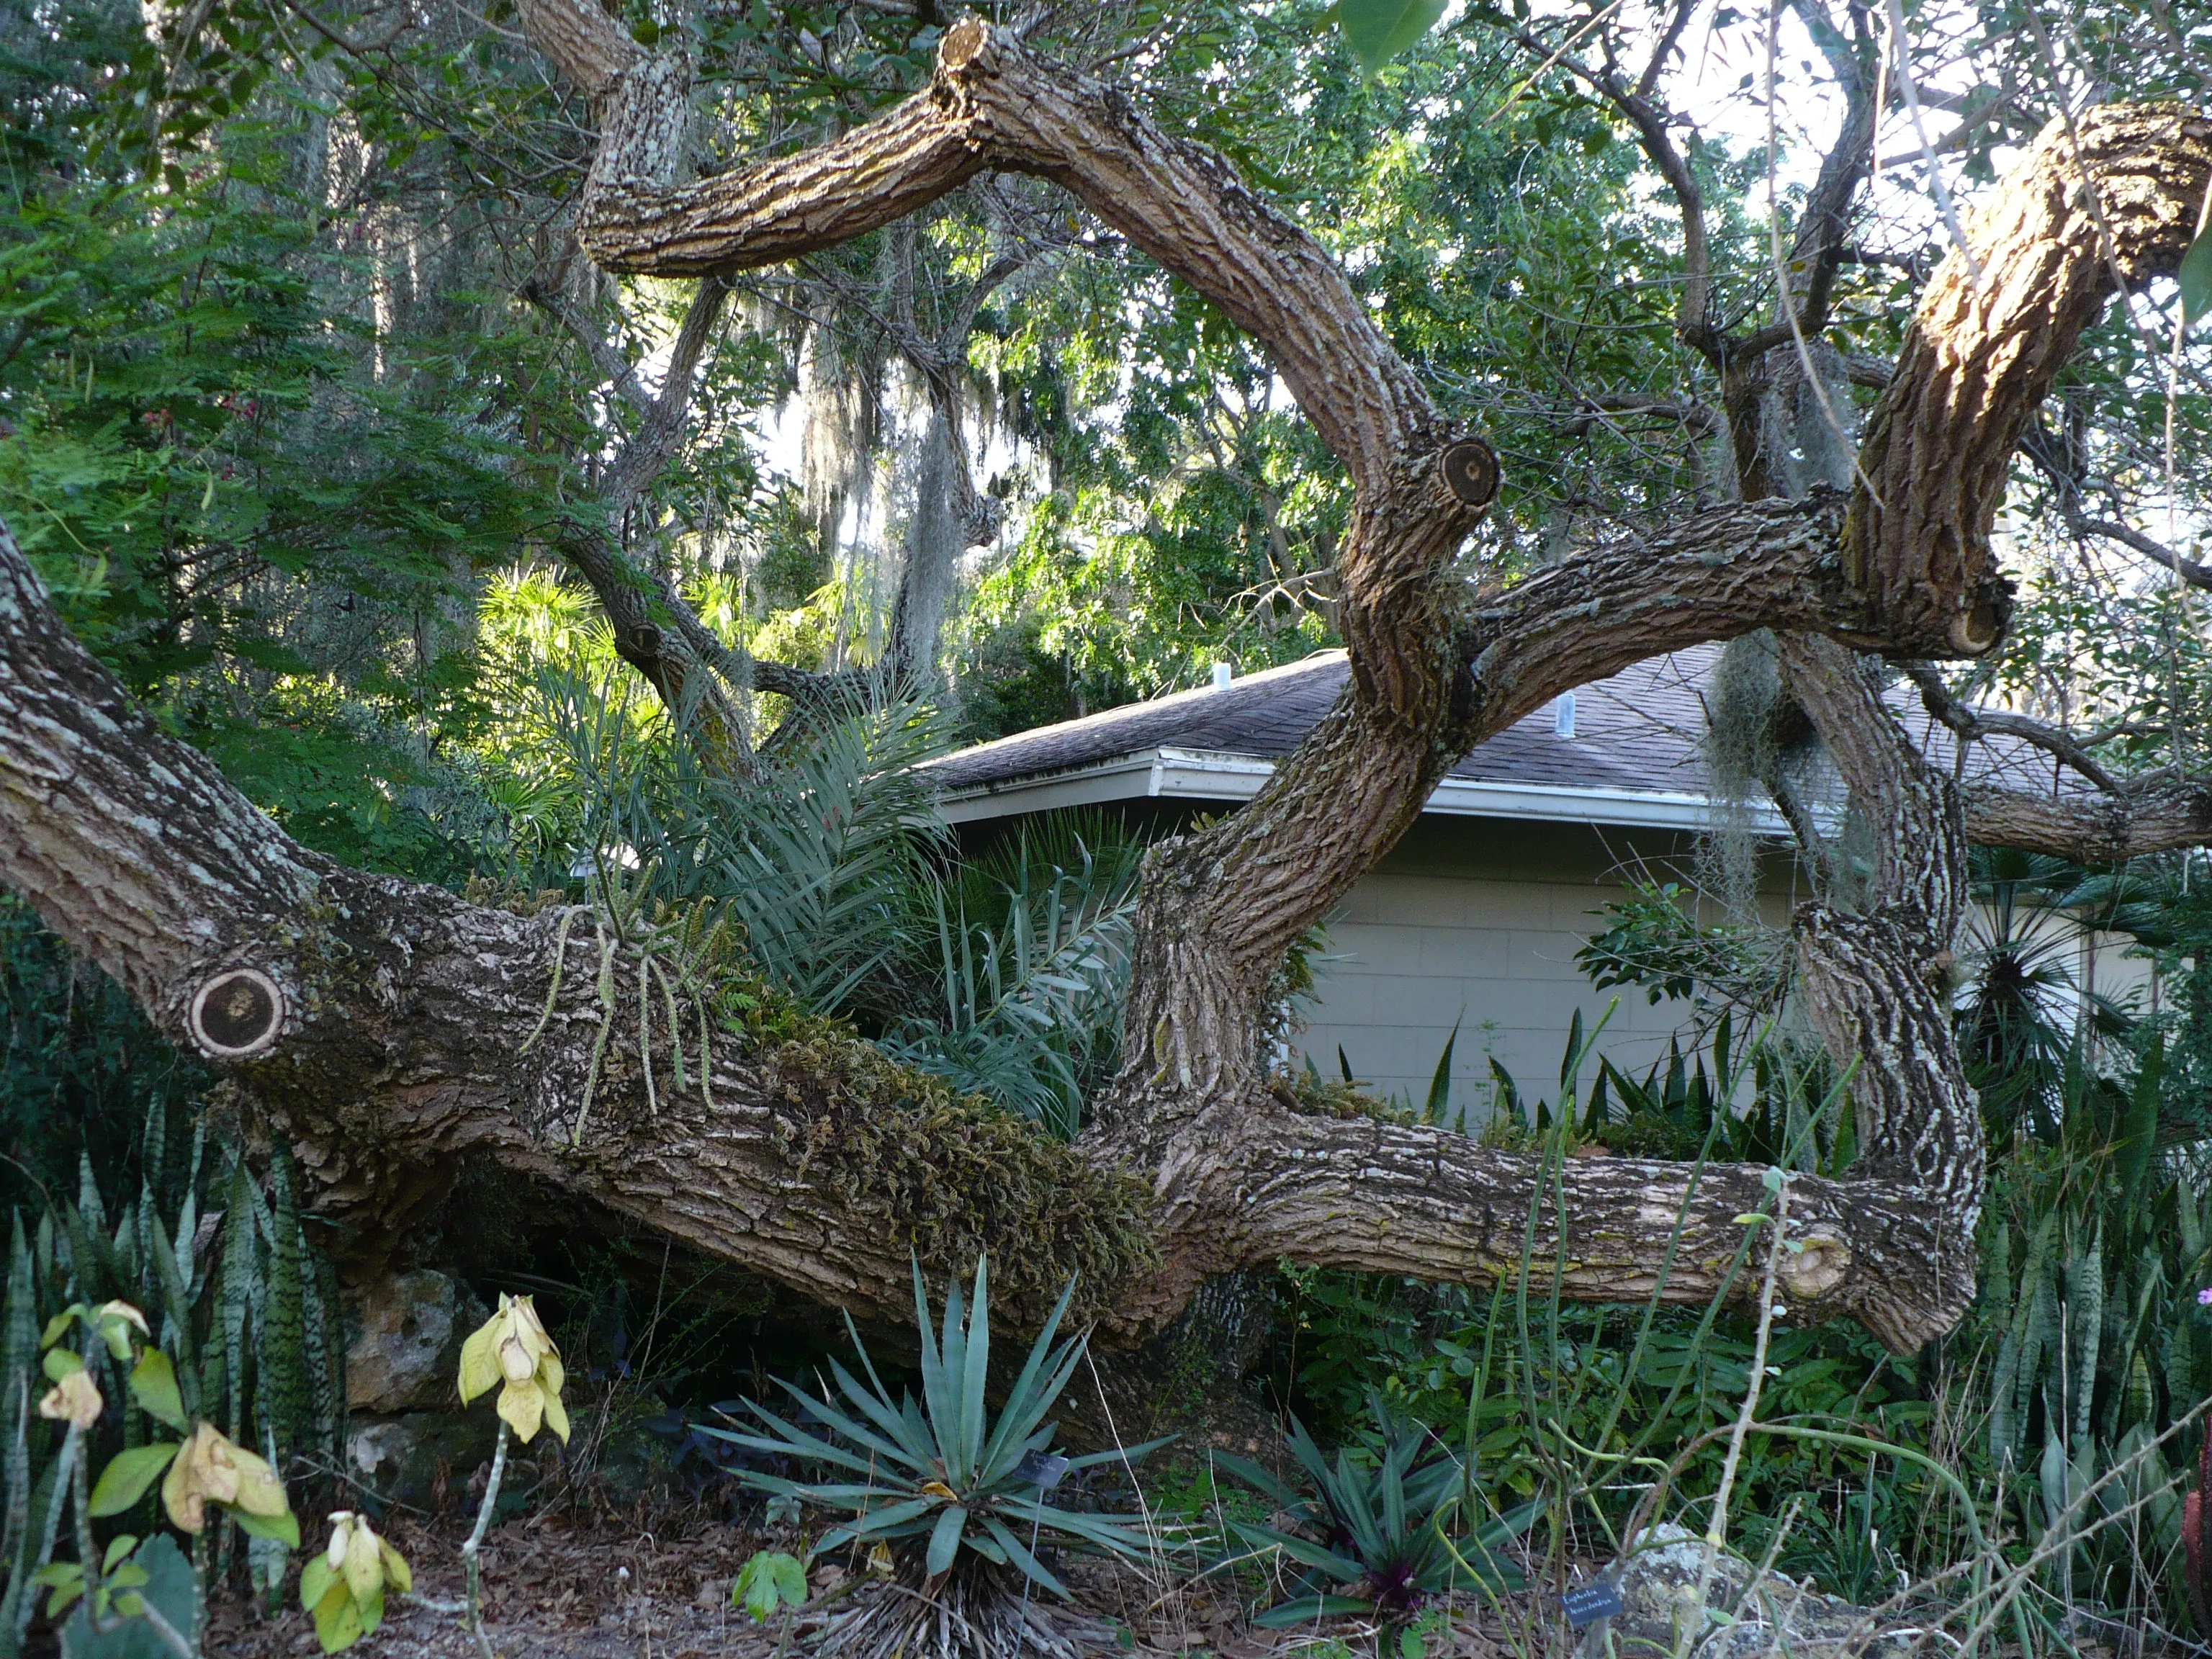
x,y
1746,1615
402,1458
409,1349
633,1467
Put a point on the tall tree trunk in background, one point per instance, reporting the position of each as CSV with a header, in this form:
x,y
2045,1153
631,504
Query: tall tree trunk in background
x,y
386,1027
934,541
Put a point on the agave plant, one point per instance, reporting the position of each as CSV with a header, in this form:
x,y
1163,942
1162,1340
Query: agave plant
x,y
1373,1540
957,1497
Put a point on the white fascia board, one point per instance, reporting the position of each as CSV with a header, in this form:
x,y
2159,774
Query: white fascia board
x,y
1172,774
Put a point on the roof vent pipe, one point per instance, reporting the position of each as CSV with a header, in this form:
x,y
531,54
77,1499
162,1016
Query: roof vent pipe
x,y
1563,714
1222,674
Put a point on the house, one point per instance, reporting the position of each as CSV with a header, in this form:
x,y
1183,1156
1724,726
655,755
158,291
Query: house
x,y
1472,923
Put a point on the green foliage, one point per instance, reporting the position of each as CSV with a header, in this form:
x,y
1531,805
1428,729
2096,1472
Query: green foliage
x,y
1032,958
200,1250
942,1479
81,1067
1378,30
770,1579
2196,279
1652,941
1386,1527
2021,1017
2094,1250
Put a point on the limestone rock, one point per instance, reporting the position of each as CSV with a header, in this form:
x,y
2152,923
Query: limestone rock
x,y
1746,1615
403,1459
409,1348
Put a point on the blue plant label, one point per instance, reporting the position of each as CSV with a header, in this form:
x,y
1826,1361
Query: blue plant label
x,y
1041,1469
1590,1603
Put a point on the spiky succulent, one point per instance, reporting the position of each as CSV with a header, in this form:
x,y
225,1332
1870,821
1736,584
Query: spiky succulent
x,y
1378,1540
938,1476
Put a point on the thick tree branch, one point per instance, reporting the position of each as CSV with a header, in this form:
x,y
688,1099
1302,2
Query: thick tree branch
x,y
405,1014
1981,355
1875,982
2158,815
993,105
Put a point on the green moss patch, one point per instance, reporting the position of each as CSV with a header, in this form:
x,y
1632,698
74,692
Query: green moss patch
x,y
957,1175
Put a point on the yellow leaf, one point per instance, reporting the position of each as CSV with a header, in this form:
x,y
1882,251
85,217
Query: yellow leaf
x,y
396,1572
522,1405
126,1312
557,1415
938,1489
180,1492
480,1362
529,1329
364,1565
76,1398
210,1469
256,1489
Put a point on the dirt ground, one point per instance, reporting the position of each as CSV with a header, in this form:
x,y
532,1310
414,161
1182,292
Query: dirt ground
x,y
659,1587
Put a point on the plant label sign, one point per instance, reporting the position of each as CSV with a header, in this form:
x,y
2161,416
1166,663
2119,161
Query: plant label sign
x,y
1041,1469
1590,1603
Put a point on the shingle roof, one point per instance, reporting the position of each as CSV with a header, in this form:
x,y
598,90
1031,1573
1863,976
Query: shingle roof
x,y
1639,732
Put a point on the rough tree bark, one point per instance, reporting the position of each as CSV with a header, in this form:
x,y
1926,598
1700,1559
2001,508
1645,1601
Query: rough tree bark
x,y
387,1027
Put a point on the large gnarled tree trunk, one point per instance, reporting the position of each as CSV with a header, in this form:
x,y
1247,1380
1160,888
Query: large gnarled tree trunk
x,y
387,1028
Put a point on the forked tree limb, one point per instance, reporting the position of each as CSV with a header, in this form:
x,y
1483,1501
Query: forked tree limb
x,y
388,1029
994,105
